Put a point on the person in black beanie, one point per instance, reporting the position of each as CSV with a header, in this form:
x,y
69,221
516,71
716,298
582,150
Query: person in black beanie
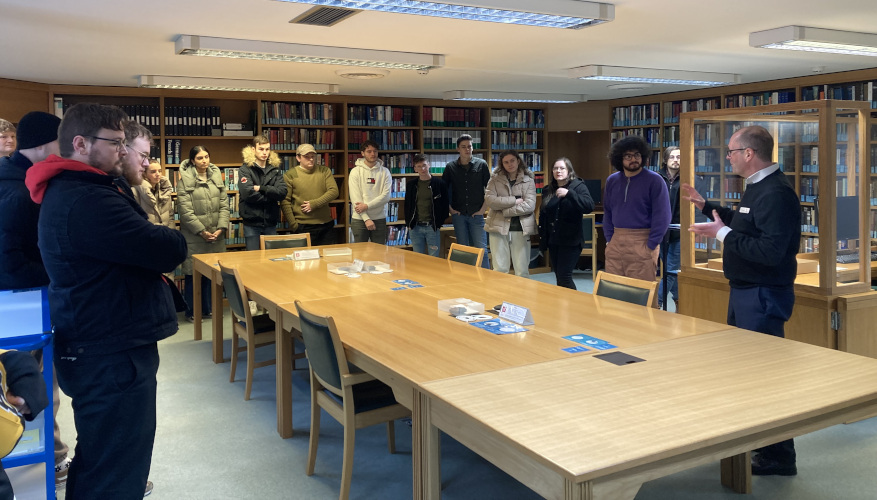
x,y
20,262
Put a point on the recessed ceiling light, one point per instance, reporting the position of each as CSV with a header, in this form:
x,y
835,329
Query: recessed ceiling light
x,y
651,75
629,86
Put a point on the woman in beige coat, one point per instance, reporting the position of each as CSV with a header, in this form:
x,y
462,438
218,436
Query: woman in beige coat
x,y
154,196
511,198
202,203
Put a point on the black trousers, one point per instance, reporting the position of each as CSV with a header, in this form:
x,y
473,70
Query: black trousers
x,y
765,310
113,399
563,261
321,234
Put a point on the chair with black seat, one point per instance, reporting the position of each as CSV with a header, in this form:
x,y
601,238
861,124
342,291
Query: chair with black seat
x,y
631,290
589,240
267,242
352,397
465,254
256,331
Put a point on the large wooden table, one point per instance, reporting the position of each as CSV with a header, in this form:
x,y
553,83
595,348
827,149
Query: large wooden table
x,y
401,338
582,428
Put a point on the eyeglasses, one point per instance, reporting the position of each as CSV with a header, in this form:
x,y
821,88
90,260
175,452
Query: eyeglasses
x,y
118,143
143,156
729,152
633,156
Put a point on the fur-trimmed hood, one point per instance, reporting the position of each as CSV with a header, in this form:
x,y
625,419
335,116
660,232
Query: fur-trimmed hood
x,y
249,154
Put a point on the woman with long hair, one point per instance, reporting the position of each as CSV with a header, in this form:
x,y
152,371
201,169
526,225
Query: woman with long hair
x,y
511,198
564,201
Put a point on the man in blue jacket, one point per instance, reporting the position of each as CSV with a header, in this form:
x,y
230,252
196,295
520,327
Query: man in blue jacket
x,y
108,300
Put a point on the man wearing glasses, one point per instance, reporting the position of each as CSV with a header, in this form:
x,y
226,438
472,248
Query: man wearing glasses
x,y
759,242
309,189
138,141
466,179
636,211
108,301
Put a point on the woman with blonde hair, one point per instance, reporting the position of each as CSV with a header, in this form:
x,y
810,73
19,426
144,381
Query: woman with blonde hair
x,y
511,198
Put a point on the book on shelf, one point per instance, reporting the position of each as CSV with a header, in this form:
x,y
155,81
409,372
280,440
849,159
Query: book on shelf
x,y
379,116
434,116
191,120
298,113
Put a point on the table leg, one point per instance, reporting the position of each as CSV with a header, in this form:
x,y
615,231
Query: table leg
x,y
737,473
283,348
218,318
426,450
196,302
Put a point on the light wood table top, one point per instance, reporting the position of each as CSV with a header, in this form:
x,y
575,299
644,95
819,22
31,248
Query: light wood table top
x,y
584,428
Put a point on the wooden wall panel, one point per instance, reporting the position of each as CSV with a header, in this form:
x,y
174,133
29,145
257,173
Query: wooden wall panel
x,y
20,98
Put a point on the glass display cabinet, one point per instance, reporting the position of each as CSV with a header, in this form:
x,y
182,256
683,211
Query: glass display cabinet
x,y
824,148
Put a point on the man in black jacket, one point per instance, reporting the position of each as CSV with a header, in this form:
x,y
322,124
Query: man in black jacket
x,y
108,300
760,242
262,188
426,208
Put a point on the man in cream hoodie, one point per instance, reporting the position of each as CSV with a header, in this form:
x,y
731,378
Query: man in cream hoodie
x,y
369,190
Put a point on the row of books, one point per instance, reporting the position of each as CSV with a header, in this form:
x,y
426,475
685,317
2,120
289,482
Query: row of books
x,y
379,116
191,120
451,117
809,189
635,116
529,139
809,222
760,99
393,210
809,244
707,160
393,140
671,136
397,187
517,118
298,113
287,139
672,110
707,134
704,243
397,236
172,151
652,135
447,139
861,91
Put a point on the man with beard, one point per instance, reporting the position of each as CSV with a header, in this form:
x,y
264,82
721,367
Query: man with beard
x,y
670,245
636,211
107,298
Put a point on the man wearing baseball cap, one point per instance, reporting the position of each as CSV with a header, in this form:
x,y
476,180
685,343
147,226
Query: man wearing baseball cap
x,y
309,189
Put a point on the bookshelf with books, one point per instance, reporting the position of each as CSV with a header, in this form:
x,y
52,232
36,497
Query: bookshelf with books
x,y
643,120
822,147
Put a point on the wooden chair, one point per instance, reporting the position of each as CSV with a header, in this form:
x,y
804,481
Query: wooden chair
x,y
465,254
256,331
589,241
627,289
352,397
267,242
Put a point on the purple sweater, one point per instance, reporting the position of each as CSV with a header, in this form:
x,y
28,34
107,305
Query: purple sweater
x,y
636,202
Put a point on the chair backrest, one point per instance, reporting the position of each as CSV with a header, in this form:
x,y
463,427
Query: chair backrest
x,y
623,288
235,292
465,254
267,242
323,346
588,231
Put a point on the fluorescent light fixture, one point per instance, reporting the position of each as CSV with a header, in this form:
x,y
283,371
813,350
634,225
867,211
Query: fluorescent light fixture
x,y
199,83
648,75
195,45
815,40
572,14
474,95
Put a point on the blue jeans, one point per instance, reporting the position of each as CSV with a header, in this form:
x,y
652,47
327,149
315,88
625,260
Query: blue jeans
x,y
252,233
425,239
670,270
469,230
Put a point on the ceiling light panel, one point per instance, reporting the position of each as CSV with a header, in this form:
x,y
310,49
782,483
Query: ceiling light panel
x,y
227,84
649,75
572,14
195,45
476,95
815,40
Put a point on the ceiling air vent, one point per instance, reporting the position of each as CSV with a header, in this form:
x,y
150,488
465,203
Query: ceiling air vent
x,y
324,16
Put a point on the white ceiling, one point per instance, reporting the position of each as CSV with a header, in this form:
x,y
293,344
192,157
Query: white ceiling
x,y
111,43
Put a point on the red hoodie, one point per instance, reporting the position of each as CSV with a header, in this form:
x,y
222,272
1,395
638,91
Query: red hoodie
x,y
39,175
